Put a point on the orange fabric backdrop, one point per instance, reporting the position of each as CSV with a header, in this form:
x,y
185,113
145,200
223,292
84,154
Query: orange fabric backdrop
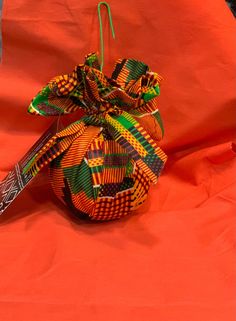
x,y
172,261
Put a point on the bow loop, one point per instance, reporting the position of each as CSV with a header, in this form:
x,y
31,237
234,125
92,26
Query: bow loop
x,y
132,88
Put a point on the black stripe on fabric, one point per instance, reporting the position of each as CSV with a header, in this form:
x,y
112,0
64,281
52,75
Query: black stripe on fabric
x,y
118,69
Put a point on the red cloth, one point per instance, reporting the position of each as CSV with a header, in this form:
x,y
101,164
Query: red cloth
x,y
175,259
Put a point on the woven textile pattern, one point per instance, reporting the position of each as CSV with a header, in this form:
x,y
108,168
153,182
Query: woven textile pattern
x,y
102,165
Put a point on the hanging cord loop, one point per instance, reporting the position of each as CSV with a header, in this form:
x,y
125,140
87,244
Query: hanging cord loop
x,y
101,29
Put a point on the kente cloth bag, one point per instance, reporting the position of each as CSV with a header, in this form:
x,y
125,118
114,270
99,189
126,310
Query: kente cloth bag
x,y
102,165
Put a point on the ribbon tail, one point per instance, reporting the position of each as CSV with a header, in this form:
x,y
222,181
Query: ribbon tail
x,y
138,144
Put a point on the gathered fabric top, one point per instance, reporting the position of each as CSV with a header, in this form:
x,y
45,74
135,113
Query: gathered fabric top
x,y
133,88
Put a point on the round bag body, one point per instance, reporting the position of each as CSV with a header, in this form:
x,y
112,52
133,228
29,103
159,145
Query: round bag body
x,y
102,165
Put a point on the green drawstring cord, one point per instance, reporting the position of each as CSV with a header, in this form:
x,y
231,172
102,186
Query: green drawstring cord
x,y
101,30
